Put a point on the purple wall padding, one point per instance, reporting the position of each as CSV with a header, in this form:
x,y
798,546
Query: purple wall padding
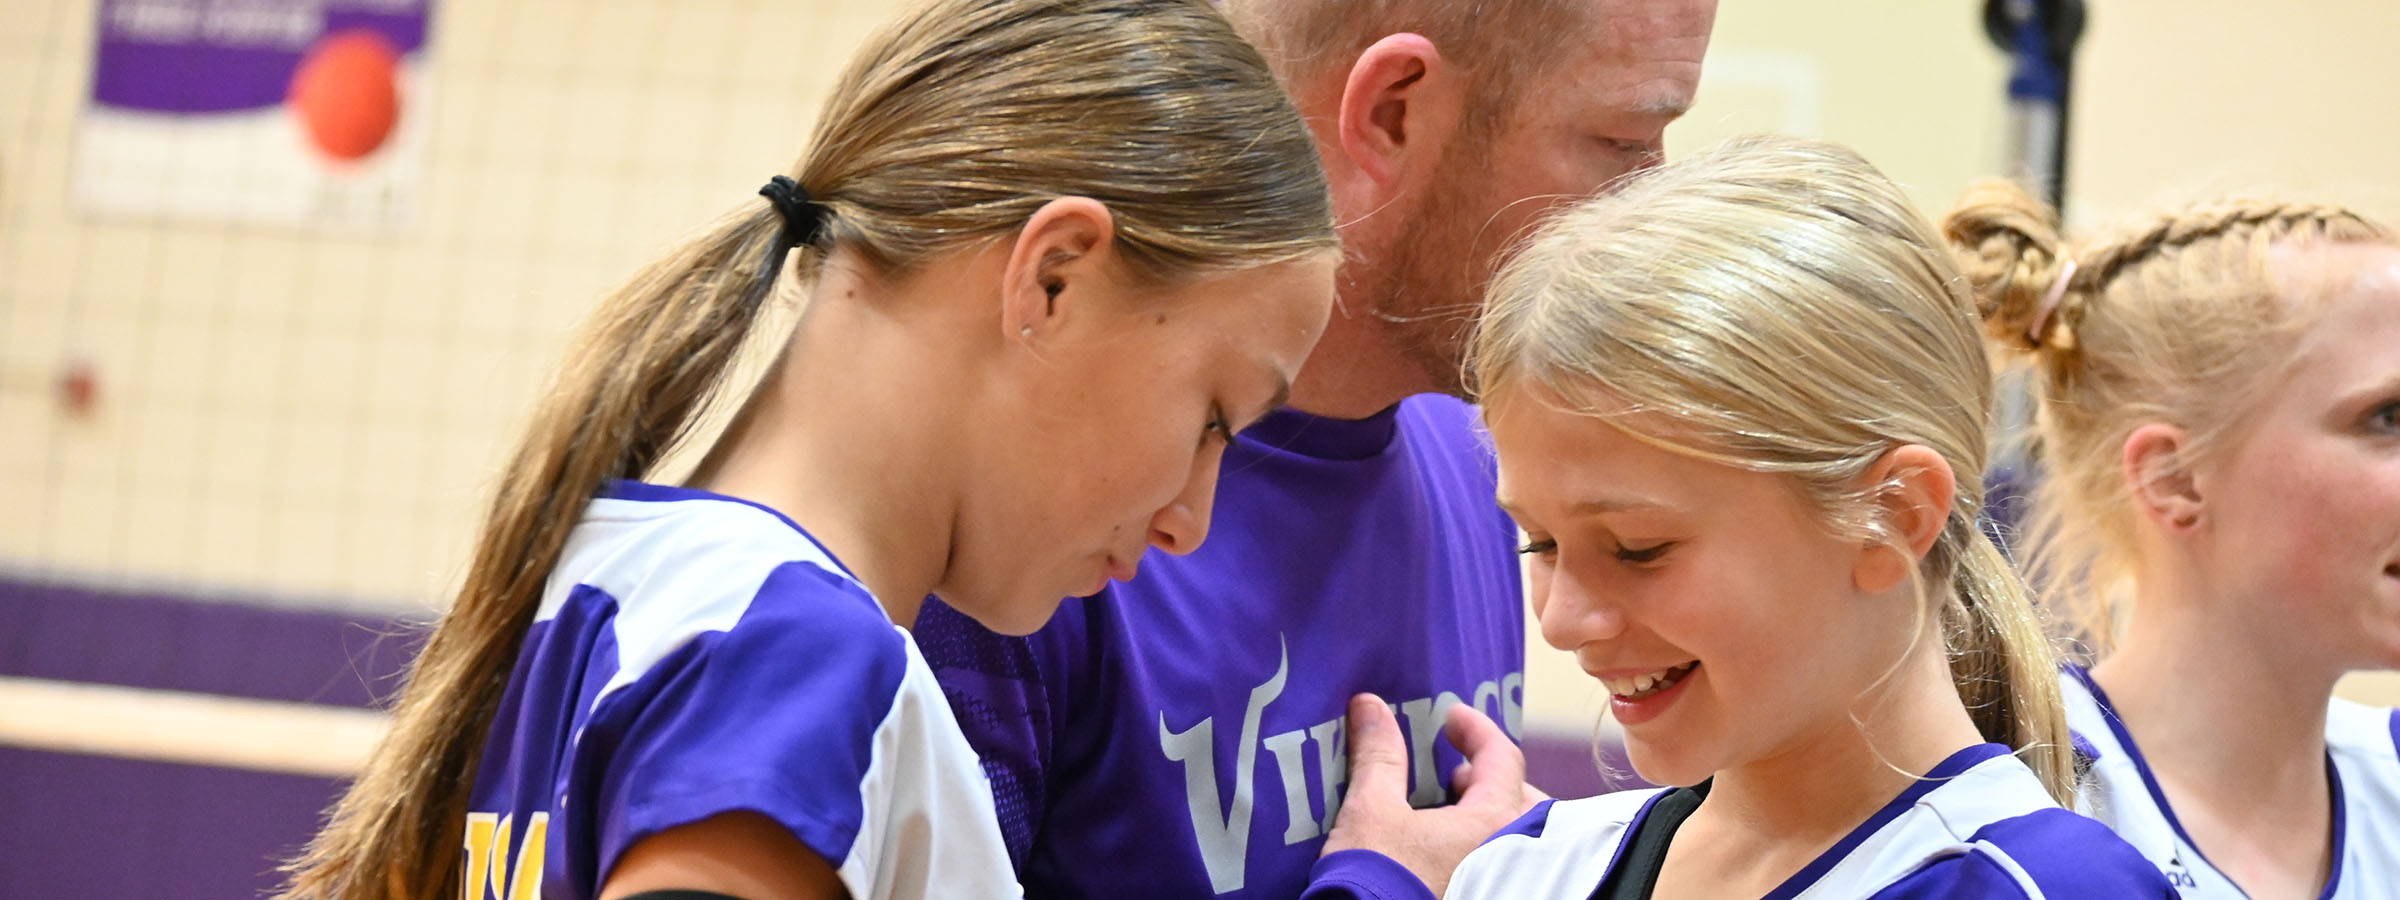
x,y
88,826
159,640
1566,768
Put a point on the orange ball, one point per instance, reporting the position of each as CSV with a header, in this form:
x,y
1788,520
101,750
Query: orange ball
x,y
347,93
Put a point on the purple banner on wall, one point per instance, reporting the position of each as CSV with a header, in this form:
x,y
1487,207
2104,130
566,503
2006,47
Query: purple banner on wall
x,y
301,112
189,57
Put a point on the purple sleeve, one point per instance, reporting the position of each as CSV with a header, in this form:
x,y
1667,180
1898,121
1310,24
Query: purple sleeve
x,y
2068,856
1006,692
1531,823
1363,875
1967,876
776,716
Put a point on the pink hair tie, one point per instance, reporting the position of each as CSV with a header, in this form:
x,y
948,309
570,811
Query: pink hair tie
x,y
2041,315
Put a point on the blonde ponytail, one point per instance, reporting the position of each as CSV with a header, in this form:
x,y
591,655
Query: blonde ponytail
x,y
2004,661
2009,249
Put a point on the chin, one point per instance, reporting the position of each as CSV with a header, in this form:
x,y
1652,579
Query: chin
x,y
1664,766
1014,616
1024,617
2387,651
2381,630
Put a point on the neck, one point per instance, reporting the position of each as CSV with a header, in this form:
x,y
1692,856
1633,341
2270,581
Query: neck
x,y
1355,371
819,441
2252,796
2187,664
1784,808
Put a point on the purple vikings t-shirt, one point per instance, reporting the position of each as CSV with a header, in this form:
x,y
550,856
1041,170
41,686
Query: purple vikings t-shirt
x,y
1182,736
696,655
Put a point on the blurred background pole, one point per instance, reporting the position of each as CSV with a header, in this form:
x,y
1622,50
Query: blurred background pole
x,y
2039,37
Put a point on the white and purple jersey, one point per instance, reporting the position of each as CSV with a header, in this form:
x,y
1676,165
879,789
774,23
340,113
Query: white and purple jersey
x,y
1181,736
2362,765
1978,827
696,655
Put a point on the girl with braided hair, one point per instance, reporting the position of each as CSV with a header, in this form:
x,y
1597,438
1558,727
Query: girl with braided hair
x,y
2219,416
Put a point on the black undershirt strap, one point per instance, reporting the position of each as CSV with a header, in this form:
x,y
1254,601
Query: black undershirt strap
x,y
1636,873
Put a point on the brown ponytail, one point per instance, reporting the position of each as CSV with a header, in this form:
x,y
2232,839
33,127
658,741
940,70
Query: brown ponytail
x,y
629,388
952,126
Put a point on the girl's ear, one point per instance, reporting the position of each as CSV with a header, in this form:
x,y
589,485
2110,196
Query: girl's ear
x,y
2159,479
1914,487
1063,246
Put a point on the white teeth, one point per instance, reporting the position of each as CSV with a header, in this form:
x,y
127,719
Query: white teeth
x,y
1645,684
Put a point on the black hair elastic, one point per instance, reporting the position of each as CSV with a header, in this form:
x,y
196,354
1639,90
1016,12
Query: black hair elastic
x,y
803,216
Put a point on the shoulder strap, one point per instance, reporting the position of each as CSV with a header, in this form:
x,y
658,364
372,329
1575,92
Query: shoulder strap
x,y
1636,873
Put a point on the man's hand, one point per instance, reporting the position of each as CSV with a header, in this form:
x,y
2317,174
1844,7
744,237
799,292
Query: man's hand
x,y
1490,786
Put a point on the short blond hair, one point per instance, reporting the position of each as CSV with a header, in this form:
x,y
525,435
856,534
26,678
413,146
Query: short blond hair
x,y
1501,42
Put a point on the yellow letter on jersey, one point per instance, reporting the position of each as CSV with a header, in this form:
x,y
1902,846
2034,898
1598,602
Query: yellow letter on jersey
x,y
500,837
479,854
527,885
489,866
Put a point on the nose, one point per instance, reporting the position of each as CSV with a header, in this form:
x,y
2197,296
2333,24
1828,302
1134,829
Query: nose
x,y
1571,614
1182,524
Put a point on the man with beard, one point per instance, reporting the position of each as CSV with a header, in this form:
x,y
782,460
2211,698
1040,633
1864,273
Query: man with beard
x,y
1182,734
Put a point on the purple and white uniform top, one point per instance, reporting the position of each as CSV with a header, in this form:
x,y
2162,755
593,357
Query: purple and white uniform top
x,y
1979,826
696,655
2362,764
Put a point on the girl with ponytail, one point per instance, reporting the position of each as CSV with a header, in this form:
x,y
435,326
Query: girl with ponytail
x,y
2218,424
1740,407
1055,252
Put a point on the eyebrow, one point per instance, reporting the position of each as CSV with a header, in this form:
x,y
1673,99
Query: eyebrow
x,y
1595,507
2369,395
